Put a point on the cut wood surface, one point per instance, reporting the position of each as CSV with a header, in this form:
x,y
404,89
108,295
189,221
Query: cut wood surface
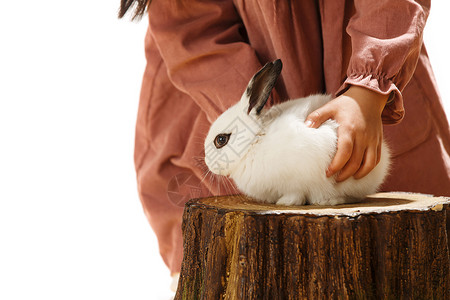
x,y
388,246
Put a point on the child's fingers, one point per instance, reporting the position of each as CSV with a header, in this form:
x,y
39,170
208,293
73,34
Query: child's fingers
x,y
343,154
369,162
380,143
353,164
317,117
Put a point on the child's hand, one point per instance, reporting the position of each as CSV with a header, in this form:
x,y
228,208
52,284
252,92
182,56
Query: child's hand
x,y
360,132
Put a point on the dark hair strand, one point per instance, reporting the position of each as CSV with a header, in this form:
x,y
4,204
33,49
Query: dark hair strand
x,y
139,8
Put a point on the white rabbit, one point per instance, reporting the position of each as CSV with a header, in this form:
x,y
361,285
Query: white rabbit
x,y
273,157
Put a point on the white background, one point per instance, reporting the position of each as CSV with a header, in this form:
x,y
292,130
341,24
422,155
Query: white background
x,y
71,225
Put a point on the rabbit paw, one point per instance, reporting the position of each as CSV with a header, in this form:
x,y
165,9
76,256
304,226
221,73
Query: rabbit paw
x,y
291,199
336,201
332,201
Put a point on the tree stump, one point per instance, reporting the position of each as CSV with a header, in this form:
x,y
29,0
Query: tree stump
x,y
389,246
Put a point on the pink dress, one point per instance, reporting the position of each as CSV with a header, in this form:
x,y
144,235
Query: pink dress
x,y
201,55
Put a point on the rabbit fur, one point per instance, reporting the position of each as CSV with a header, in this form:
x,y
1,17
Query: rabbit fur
x,y
273,157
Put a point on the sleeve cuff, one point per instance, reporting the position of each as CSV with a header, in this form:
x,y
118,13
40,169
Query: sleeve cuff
x,y
394,111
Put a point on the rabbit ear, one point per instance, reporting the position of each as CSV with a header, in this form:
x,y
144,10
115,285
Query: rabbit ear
x,y
261,85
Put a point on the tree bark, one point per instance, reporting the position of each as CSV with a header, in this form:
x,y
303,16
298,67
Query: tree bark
x,y
389,246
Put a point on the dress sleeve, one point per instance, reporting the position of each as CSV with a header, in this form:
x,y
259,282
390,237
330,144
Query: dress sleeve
x,y
386,39
203,45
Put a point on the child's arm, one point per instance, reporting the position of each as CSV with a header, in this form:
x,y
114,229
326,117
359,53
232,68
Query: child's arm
x,y
386,39
204,50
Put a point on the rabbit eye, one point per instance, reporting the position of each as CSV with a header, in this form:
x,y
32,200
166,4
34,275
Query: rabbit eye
x,y
221,140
